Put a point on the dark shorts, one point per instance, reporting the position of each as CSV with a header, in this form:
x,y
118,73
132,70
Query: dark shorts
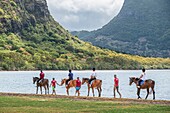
x,y
117,87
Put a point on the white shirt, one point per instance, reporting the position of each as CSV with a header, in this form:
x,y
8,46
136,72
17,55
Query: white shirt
x,y
144,76
94,74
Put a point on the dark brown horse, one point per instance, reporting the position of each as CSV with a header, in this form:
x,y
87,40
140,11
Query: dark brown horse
x,y
95,84
146,85
72,83
44,83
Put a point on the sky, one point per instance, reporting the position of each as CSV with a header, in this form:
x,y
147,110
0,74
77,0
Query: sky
x,y
76,15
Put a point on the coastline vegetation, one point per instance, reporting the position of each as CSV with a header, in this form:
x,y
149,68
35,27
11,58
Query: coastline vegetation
x,y
30,39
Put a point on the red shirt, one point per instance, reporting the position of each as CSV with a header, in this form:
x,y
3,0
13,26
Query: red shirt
x,y
78,83
53,82
116,81
41,75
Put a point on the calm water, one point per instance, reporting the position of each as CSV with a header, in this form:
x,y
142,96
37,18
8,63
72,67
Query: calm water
x,y
21,82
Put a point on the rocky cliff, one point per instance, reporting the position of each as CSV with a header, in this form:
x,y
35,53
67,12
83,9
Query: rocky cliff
x,y
142,28
30,39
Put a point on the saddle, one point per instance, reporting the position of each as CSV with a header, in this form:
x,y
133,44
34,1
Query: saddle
x,y
41,81
92,80
142,82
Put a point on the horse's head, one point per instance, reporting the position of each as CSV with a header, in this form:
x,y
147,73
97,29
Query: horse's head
x,y
63,81
84,80
35,79
131,80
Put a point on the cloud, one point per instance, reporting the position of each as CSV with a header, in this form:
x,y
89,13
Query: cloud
x,y
84,14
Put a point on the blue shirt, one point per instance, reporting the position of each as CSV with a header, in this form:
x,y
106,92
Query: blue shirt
x,y
70,76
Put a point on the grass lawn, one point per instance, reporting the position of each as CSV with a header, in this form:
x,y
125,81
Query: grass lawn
x,y
35,104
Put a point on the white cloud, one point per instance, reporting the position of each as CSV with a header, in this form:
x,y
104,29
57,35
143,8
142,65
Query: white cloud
x,y
70,18
84,14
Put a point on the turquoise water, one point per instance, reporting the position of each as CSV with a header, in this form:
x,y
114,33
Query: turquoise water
x,y
21,82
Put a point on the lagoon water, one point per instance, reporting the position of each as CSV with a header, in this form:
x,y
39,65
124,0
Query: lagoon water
x,y
21,82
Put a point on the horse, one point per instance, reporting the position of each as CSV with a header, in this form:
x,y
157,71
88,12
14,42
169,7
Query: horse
x,y
72,83
44,83
95,84
146,85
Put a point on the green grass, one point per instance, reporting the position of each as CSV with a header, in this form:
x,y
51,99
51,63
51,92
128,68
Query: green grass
x,y
15,104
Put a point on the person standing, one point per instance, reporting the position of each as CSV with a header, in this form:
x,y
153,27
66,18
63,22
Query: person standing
x,y
142,78
78,86
116,86
70,75
53,84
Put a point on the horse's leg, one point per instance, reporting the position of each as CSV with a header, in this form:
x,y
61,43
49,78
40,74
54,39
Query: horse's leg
x,y
138,93
153,93
48,88
98,91
147,93
41,89
93,91
37,90
88,91
67,90
153,85
45,90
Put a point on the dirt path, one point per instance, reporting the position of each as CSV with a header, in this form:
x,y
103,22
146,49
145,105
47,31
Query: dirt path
x,y
122,100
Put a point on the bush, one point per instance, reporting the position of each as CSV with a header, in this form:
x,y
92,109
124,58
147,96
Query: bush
x,y
1,11
13,3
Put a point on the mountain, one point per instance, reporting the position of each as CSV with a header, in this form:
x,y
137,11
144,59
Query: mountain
x,y
30,39
142,28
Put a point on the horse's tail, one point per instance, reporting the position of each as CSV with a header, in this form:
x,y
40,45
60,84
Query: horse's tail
x,y
152,86
48,85
100,83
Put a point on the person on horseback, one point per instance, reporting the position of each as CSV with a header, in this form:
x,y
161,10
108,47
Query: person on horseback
x,y
142,78
41,76
116,86
78,86
70,75
93,76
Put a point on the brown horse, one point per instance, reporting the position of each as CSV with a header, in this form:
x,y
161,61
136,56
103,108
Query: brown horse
x,y
72,83
44,83
146,85
95,84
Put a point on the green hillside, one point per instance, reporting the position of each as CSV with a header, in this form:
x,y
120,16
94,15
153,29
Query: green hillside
x,y
141,28
30,39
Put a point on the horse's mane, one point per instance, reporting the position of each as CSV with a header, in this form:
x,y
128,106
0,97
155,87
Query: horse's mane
x,y
137,79
86,78
37,77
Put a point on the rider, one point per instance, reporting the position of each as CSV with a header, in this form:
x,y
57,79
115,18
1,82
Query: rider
x,y
70,76
142,78
116,86
41,76
93,76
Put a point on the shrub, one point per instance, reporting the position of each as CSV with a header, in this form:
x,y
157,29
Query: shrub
x,y
1,11
13,3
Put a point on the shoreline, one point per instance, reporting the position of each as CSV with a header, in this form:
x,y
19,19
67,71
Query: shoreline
x,y
85,98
